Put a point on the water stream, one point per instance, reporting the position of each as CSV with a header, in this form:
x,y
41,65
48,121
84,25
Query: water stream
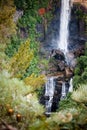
x,y
64,25
64,34
63,93
71,85
49,92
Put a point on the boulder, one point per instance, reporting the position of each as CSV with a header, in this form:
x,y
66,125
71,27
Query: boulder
x,y
57,54
61,66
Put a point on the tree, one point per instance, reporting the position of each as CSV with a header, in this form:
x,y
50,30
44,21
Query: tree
x,y
21,60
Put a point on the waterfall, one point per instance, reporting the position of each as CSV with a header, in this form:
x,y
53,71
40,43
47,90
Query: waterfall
x,y
71,85
49,92
64,25
63,93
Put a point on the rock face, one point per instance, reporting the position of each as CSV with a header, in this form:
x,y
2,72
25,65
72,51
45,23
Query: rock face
x,y
82,2
59,66
79,51
68,72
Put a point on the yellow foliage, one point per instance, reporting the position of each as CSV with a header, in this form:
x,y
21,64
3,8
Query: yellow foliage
x,y
35,81
7,25
21,60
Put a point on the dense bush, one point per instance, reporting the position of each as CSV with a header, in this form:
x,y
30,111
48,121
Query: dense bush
x,y
13,46
80,72
30,4
21,60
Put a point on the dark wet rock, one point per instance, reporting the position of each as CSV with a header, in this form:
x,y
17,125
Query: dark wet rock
x,y
57,66
60,82
67,86
46,97
55,103
42,100
79,51
57,95
71,60
61,66
57,54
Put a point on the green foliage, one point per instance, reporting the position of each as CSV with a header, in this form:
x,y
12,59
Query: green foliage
x,y
77,71
67,103
79,13
82,62
33,68
21,60
80,95
13,46
84,76
76,81
30,4
16,95
26,4
3,58
80,71
35,81
29,21
22,98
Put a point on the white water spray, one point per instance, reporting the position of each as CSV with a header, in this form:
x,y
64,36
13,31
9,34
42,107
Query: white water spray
x,y
64,25
71,85
49,92
63,93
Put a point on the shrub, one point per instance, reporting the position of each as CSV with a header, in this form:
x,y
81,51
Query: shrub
x,y
34,81
21,60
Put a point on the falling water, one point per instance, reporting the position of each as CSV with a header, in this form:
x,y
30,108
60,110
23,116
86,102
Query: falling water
x,y
64,25
49,92
63,93
71,85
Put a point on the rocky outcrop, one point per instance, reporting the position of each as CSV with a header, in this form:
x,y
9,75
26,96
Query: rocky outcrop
x,y
57,54
59,65
68,72
79,51
62,72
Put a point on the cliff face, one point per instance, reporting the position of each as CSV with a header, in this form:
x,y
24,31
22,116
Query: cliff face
x,y
82,2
